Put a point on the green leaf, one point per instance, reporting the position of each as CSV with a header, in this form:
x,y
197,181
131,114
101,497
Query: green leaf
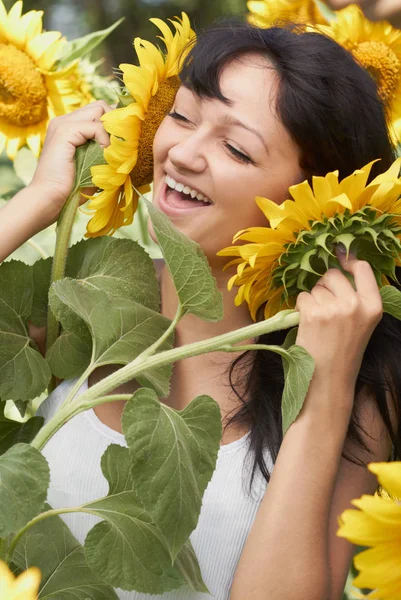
x,y
70,354
196,287
87,156
15,432
298,370
290,339
79,47
391,298
116,466
121,268
50,546
24,479
187,564
118,267
41,272
181,448
24,373
126,549
128,330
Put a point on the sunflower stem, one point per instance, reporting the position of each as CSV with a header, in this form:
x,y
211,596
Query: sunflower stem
x,y
64,227
98,394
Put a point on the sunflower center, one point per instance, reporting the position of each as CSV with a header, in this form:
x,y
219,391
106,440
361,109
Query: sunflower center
x,y
160,104
23,94
382,63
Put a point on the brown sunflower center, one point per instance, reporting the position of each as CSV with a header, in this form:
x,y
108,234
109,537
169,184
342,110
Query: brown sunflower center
x,y
159,105
382,63
23,94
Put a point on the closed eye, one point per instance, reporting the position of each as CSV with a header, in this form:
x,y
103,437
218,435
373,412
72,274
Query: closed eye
x,y
175,115
240,155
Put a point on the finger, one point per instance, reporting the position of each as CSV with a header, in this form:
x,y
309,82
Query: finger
x,y
89,130
85,192
365,282
383,10
322,295
90,112
304,300
336,283
337,4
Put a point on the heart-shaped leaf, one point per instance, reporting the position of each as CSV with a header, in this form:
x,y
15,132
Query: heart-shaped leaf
x,y
50,546
126,549
127,331
174,454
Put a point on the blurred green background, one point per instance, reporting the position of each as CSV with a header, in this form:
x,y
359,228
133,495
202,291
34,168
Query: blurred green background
x,y
75,18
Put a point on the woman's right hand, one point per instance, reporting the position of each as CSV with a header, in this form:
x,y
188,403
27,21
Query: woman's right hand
x,y
55,173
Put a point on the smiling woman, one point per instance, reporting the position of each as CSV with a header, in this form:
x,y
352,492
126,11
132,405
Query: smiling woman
x,y
255,112
220,150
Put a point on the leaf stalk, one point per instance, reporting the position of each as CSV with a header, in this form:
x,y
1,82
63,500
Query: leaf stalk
x,y
64,227
97,394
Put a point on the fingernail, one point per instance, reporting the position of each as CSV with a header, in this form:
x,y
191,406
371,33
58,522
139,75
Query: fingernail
x,y
341,249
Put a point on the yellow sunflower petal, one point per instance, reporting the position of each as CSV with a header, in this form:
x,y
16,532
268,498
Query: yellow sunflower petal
x,y
130,157
389,476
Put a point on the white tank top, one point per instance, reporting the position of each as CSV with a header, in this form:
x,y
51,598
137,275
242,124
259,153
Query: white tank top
x,y
228,509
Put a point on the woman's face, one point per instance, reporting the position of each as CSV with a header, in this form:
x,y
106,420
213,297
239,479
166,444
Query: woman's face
x,y
229,153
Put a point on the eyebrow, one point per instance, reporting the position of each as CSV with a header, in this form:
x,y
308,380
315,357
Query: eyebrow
x,y
230,120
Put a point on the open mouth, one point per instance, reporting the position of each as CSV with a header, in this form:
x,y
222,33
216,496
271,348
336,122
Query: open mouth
x,y
177,196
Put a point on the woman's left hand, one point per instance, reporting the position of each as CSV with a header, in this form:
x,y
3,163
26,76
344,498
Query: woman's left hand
x,y
336,321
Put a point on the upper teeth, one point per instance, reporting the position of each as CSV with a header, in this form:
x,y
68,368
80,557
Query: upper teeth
x,y
180,187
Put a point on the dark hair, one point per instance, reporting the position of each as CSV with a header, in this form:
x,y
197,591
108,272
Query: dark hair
x,y
330,107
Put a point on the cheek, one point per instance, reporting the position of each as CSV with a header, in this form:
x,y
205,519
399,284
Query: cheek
x,y
161,141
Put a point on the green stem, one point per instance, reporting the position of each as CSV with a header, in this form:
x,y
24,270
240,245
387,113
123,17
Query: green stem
x,y
152,349
34,521
78,384
148,352
64,228
283,320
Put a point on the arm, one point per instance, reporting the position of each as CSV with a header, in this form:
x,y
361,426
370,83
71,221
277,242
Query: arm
x,y
38,205
22,217
292,552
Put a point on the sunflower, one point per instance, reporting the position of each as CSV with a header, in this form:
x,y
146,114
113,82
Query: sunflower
x,y
23,587
377,47
377,524
298,247
152,86
264,13
32,91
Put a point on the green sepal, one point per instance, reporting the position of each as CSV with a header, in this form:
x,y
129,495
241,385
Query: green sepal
x,y
367,234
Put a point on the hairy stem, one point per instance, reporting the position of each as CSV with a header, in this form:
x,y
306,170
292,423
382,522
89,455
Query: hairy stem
x,y
283,320
64,228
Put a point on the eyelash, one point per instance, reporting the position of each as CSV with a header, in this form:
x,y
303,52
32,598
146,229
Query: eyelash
x,y
236,153
242,157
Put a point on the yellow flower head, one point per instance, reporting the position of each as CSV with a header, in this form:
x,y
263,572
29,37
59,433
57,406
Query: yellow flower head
x,y
23,587
264,13
377,47
299,245
153,86
377,524
32,91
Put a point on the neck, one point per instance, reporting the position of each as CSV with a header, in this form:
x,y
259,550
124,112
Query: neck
x,y
191,328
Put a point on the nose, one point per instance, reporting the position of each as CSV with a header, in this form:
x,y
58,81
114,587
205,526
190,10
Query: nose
x,y
188,154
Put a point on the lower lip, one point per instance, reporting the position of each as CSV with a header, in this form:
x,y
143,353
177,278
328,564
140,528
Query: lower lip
x,y
175,210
